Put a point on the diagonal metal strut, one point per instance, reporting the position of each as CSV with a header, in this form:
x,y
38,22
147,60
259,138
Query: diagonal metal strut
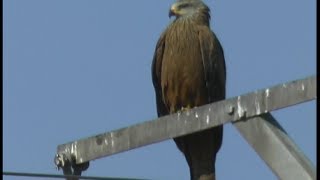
x,y
270,141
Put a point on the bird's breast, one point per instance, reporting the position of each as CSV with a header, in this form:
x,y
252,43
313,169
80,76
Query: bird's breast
x,y
182,75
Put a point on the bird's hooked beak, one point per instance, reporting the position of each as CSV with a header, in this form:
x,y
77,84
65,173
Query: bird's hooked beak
x,y
173,10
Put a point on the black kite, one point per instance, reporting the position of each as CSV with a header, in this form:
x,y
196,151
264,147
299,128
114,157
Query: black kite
x,y
188,70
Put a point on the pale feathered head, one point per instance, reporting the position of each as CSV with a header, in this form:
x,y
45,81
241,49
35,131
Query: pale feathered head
x,y
188,8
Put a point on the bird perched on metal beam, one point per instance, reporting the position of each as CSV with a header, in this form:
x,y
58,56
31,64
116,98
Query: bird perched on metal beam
x,y
188,70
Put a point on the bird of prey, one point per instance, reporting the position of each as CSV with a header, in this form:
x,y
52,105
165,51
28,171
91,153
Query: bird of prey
x,y
188,70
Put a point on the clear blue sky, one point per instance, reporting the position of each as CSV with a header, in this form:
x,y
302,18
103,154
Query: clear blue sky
x,y
77,68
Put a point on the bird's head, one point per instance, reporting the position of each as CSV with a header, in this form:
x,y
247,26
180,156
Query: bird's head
x,y
183,8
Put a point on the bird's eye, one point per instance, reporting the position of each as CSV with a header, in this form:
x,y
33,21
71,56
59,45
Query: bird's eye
x,y
184,6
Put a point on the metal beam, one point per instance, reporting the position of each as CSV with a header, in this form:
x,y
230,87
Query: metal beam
x,y
197,119
274,146
51,176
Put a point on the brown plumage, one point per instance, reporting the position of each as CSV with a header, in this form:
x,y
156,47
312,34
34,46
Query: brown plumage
x,y
188,70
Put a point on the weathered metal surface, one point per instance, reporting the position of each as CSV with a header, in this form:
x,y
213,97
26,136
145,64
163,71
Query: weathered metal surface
x,y
274,146
197,119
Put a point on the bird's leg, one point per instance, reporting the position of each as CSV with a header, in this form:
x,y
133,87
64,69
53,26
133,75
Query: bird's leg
x,y
186,108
